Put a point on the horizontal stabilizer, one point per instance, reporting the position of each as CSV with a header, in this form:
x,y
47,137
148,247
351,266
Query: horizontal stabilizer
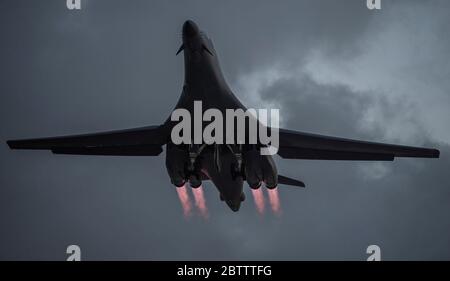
x,y
289,181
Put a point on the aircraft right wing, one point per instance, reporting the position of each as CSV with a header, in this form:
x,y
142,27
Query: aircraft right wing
x,y
299,145
144,141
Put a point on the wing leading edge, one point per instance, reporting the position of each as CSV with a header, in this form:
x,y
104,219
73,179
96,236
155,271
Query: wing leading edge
x,y
299,145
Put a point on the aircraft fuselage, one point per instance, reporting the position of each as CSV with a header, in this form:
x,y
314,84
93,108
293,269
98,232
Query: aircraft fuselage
x,y
205,82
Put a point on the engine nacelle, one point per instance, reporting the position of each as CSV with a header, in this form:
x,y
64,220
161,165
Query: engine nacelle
x,y
260,168
252,168
181,168
176,161
194,181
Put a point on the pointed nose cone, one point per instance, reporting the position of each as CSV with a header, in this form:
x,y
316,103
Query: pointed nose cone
x,y
234,205
190,29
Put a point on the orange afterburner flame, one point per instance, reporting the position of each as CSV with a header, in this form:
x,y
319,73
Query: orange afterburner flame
x,y
200,201
258,197
184,200
274,200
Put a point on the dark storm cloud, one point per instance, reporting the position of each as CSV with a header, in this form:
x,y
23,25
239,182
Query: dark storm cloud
x,y
112,65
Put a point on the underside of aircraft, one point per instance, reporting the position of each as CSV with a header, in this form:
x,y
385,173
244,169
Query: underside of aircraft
x,y
226,165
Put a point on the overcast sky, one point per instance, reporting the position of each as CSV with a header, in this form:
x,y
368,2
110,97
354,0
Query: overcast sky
x,y
332,67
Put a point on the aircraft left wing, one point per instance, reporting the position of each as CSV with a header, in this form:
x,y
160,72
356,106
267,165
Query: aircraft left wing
x,y
144,141
300,145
